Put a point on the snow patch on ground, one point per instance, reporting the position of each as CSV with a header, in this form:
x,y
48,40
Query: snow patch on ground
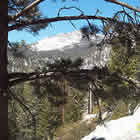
x,y
125,128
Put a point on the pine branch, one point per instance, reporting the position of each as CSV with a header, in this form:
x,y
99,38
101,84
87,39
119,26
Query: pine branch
x,y
55,19
33,4
19,74
29,77
81,74
124,5
131,81
20,102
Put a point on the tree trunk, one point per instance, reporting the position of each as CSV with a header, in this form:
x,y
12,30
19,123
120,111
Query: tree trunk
x,y
34,127
3,70
63,113
90,100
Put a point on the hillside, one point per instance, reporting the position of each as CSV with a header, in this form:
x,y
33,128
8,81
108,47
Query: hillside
x,y
72,45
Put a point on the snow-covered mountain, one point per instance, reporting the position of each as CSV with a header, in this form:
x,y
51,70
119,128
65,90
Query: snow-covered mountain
x,y
125,128
59,41
73,45
67,45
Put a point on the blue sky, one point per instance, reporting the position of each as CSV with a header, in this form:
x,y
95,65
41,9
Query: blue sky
x,y
50,9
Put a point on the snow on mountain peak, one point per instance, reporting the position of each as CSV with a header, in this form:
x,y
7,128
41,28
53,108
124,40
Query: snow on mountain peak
x,y
73,45
58,41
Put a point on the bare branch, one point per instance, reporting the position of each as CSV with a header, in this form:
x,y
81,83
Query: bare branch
x,y
67,8
55,19
19,74
72,24
124,5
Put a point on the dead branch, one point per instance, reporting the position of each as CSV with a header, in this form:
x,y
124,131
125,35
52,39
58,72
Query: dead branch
x,y
124,5
67,8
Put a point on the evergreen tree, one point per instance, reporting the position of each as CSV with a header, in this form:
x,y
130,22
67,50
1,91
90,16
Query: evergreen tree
x,y
18,14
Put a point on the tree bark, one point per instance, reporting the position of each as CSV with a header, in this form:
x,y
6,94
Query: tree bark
x,y
3,70
63,113
90,100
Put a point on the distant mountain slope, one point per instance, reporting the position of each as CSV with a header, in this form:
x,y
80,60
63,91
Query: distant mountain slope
x,y
73,45
67,45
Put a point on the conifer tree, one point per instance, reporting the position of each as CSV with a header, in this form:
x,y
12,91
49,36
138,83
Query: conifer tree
x,y
18,14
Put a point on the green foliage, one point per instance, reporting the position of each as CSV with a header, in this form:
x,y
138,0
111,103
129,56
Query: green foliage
x,y
14,48
15,6
75,106
121,61
49,116
114,90
13,129
49,119
65,64
124,64
120,111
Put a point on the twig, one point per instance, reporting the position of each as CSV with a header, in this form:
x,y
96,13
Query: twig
x,y
67,8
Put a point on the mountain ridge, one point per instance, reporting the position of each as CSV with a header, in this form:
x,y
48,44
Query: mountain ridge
x,y
73,45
